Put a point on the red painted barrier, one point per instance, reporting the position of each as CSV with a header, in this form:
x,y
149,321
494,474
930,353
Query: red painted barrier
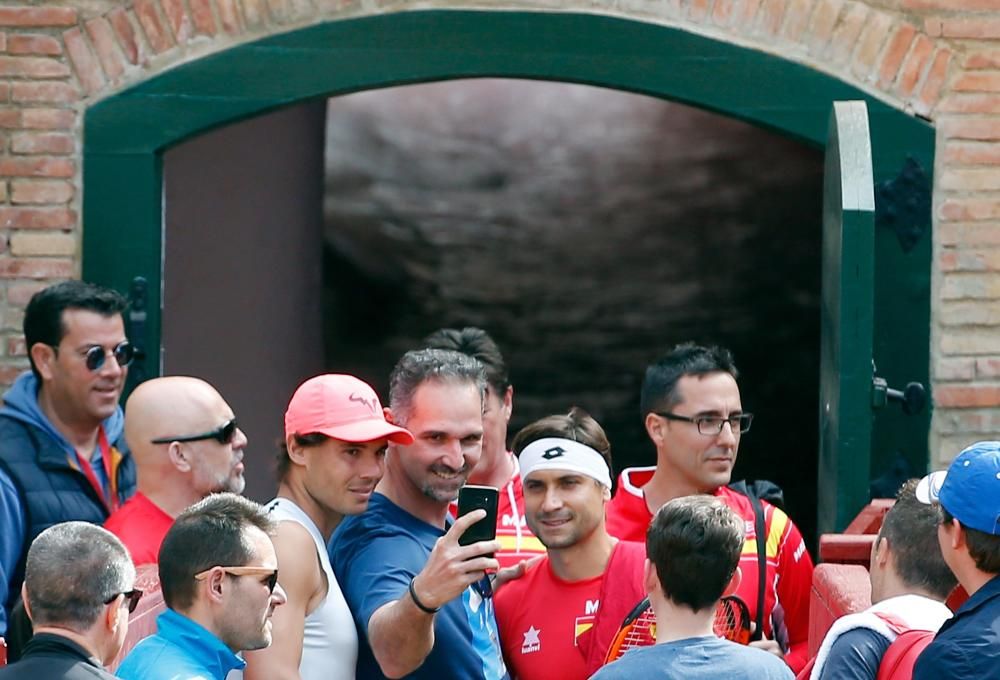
x,y
837,589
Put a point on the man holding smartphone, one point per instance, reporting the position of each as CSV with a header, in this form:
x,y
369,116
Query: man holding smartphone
x,y
498,466
564,612
410,586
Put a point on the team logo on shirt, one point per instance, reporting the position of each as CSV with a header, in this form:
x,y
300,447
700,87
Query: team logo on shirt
x,y
584,623
508,520
531,642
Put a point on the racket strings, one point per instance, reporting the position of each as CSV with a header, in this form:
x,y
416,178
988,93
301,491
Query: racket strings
x,y
732,622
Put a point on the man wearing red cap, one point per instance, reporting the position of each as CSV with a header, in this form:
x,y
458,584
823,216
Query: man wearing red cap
x,y
332,458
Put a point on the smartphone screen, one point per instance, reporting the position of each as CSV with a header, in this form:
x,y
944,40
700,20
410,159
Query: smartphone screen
x,y
471,497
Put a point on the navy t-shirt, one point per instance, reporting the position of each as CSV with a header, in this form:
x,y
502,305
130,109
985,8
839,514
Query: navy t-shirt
x,y
855,655
374,556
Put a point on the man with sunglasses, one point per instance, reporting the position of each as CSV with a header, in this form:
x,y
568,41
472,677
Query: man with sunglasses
x,y
186,445
219,577
693,414
61,454
79,606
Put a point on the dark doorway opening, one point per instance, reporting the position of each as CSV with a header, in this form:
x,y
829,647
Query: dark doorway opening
x,y
588,230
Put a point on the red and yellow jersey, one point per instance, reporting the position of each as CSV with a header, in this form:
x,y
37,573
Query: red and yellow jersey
x,y
517,542
540,617
789,566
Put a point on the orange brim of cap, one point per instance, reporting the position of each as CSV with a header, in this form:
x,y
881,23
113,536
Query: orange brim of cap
x,y
367,431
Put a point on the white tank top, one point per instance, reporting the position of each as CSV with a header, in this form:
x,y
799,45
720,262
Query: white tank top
x,y
330,643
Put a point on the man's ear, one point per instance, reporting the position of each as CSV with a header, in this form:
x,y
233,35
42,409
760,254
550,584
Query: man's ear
x,y
734,583
880,551
114,614
957,536
213,586
24,599
43,356
387,412
508,403
179,456
654,428
650,581
296,453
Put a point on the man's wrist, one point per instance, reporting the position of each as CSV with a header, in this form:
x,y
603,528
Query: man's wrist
x,y
416,600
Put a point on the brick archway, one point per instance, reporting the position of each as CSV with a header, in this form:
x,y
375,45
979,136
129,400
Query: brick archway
x,y
879,51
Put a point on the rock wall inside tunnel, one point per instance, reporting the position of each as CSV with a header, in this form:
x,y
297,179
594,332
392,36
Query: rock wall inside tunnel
x,y
588,231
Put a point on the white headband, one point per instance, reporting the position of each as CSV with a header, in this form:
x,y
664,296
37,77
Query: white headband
x,y
553,453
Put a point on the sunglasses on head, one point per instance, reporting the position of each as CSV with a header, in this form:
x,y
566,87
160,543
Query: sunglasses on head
x,y
272,574
95,355
223,434
131,596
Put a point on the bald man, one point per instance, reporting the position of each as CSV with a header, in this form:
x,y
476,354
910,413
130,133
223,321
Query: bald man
x,y
186,445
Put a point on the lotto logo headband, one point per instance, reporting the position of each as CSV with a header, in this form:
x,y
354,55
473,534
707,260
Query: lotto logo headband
x,y
553,453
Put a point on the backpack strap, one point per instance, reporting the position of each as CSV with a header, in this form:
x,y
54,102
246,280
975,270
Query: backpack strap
x,y
761,531
901,656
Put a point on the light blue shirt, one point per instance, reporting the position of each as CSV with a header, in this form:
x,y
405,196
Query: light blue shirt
x,y
180,650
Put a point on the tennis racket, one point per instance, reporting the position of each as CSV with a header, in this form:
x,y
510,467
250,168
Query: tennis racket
x,y
732,622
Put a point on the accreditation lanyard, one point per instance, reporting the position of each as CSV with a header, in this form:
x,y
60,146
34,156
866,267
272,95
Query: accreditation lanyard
x,y
102,441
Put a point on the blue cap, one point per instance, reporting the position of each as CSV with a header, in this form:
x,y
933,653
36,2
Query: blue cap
x,y
969,489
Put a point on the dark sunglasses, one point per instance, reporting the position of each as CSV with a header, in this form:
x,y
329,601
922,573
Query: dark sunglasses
x,y
271,581
94,356
132,596
223,434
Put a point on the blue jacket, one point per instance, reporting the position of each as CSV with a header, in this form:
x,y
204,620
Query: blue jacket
x,y
181,649
968,644
41,484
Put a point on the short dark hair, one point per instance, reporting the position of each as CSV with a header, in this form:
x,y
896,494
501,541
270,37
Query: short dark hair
x,y
283,463
910,527
476,343
72,570
577,425
695,543
984,548
210,533
659,385
419,366
43,317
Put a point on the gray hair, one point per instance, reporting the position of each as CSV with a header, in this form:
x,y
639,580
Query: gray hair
x,y
72,570
419,366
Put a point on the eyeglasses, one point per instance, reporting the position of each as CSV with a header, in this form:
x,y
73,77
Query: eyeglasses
x,y
712,425
272,574
223,434
132,596
95,355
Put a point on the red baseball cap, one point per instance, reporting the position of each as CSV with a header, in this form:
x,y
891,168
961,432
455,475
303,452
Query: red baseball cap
x,y
342,407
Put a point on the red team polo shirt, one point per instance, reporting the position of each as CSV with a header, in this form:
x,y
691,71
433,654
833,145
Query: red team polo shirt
x,y
789,567
141,526
551,629
517,542
540,616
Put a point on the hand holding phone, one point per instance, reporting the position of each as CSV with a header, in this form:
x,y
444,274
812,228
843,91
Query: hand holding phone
x,y
472,497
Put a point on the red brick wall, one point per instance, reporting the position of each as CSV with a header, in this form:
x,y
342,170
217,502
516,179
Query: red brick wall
x,y
937,58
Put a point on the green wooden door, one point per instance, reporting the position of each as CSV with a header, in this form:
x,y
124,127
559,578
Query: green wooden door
x,y
847,309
